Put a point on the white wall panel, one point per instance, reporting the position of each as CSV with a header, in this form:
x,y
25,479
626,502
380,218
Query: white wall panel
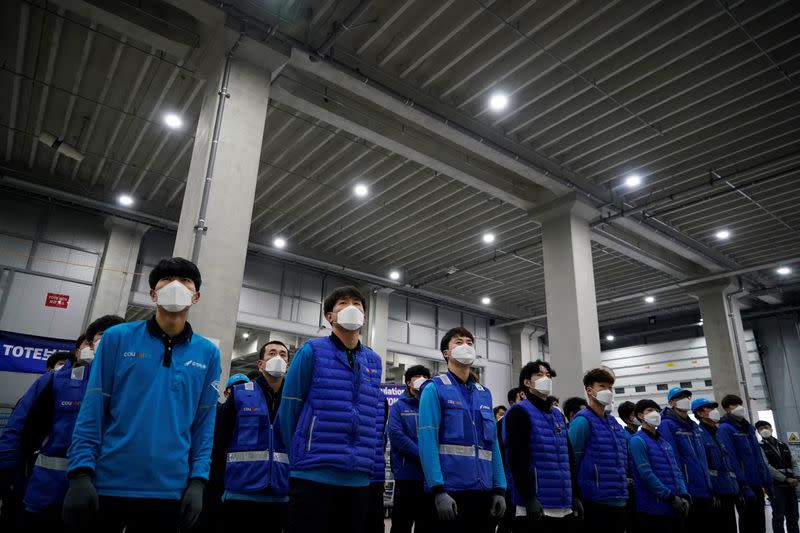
x,y
499,352
397,307
448,319
66,262
422,336
76,229
14,251
421,313
262,275
398,331
259,303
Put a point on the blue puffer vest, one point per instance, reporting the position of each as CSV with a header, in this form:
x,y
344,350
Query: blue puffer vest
x,y
48,482
466,434
720,468
379,466
689,452
603,472
404,467
664,466
549,465
746,450
337,425
256,458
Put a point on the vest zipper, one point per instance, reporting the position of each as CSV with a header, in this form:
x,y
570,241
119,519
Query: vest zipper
x,y
311,432
596,477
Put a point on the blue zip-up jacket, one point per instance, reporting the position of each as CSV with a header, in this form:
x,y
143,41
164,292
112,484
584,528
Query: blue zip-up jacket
x,y
331,398
458,437
403,425
600,450
656,474
379,467
146,425
739,437
687,444
720,464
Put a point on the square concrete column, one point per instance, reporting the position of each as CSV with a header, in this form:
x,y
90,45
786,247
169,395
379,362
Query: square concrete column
x,y
223,246
118,267
524,348
572,325
376,334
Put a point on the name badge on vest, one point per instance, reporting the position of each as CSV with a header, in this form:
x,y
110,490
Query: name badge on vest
x,y
77,373
248,385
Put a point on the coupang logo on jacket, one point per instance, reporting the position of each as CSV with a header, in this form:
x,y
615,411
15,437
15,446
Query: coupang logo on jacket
x,y
195,364
136,355
70,403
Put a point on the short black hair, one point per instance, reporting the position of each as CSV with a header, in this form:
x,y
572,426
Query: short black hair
x,y
626,409
263,349
552,399
175,267
338,293
102,324
572,406
416,370
597,375
762,423
57,357
512,395
531,368
497,409
80,340
730,399
455,332
253,374
643,405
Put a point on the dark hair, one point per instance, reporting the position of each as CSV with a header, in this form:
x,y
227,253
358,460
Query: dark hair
x,y
416,370
730,399
343,292
626,409
643,405
175,267
57,357
455,332
597,375
762,423
101,324
572,406
512,395
552,399
253,374
263,349
80,340
497,409
531,368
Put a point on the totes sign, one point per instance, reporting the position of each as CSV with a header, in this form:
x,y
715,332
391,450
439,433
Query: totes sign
x,y
29,353
53,299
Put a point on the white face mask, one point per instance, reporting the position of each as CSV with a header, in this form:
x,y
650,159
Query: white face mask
x,y
543,385
464,354
417,383
714,415
87,354
350,318
684,404
58,366
635,422
765,433
653,418
174,297
275,367
738,412
605,397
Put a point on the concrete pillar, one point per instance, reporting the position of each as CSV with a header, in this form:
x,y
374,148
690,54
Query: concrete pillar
x,y
118,267
224,246
524,348
376,335
572,323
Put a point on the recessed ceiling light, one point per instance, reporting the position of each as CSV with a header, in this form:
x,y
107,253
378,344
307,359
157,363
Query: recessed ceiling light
x,y
784,271
488,238
394,274
279,242
361,190
634,180
609,337
245,335
700,323
498,102
649,299
173,121
486,300
125,200
723,234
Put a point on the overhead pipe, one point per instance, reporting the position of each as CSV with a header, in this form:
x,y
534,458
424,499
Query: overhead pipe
x,y
340,27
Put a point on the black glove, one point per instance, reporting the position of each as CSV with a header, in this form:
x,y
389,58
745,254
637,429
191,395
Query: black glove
x,y
6,482
498,506
577,509
741,503
716,503
680,507
192,504
446,506
534,509
81,503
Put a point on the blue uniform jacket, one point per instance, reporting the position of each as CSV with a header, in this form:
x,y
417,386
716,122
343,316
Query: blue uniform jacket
x,y
403,422
687,444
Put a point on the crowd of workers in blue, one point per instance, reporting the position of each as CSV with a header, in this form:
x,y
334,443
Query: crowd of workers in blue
x,y
127,434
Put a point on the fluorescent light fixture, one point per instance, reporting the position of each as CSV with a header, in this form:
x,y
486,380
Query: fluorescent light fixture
x,y
610,337
649,299
125,200
486,300
498,101
784,271
723,234
700,323
173,121
634,180
279,242
361,190
394,274
488,238
245,335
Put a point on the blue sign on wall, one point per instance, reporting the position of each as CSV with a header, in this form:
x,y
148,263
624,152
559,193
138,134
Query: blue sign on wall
x,y
29,353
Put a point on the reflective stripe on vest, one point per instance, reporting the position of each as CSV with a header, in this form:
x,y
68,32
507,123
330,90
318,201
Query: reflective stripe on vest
x,y
281,458
52,463
465,451
238,457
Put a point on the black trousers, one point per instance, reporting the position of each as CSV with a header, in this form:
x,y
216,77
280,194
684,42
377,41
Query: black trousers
x,y
609,518
138,515
701,515
321,508
751,518
264,517
374,520
410,508
784,507
659,524
546,524
723,520
474,513
47,520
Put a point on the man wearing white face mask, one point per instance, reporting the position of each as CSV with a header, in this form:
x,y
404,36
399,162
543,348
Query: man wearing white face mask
x,y
600,452
740,439
542,482
331,414
458,443
141,449
683,434
782,468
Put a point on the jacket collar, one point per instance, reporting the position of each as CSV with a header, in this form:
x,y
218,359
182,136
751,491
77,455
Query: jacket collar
x,y
155,330
339,344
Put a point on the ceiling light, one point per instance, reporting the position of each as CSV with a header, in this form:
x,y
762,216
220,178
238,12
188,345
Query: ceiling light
x,y
245,335
700,323
173,121
498,102
784,271
723,234
279,242
649,299
486,300
609,337
361,190
488,238
633,180
394,274
125,200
